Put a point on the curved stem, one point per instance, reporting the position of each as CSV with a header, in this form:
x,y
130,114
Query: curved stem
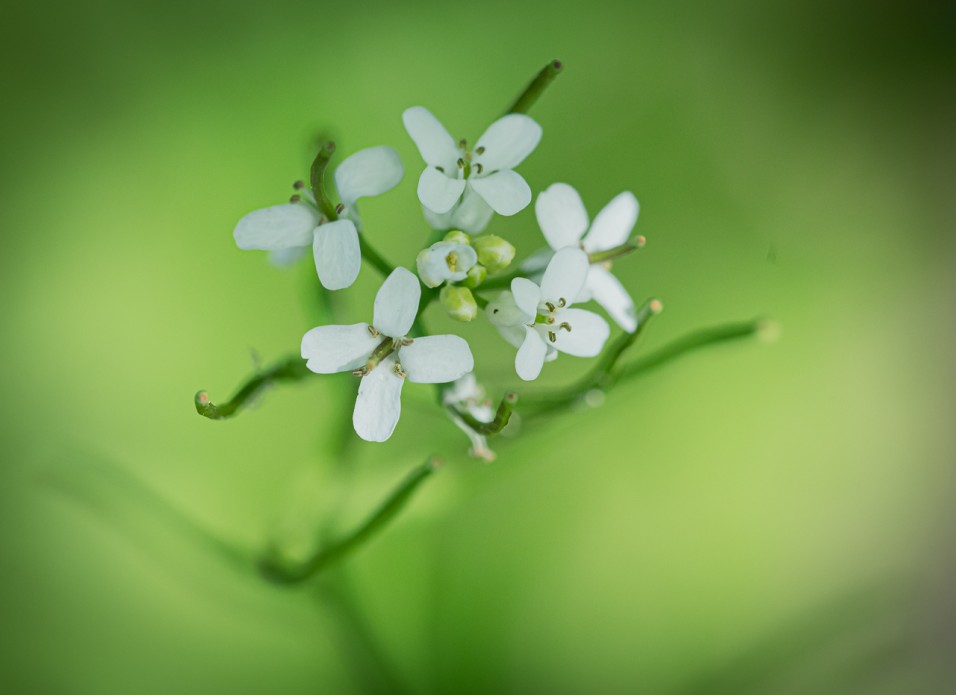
x,y
374,257
273,567
606,377
291,368
704,337
502,416
537,86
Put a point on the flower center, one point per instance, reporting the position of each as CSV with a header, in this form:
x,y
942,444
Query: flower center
x,y
549,314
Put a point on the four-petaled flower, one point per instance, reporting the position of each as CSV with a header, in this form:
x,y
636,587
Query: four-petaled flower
x,y
446,261
287,230
460,187
564,221
383,355
540,320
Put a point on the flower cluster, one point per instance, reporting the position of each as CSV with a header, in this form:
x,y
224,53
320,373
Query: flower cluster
x,y
534,305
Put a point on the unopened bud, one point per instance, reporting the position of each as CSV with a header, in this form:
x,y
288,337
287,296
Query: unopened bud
x,y
494,252
458,302
459,237
475,276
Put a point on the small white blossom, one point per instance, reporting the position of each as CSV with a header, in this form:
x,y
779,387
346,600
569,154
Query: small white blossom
x,y
540,320
446,261
564,222
467,394
461,188
288,230
383,355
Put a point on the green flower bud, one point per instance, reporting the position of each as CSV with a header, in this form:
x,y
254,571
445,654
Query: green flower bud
x,y
476,276
458,237
494,252
458,302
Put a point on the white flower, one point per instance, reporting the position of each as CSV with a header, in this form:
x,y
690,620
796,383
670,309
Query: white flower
x,y
564,221
445,261
384,357
460,188
542,321
468,395
286,230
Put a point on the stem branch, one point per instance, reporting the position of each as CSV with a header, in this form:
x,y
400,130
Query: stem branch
x,y
291,368
273,567
537,86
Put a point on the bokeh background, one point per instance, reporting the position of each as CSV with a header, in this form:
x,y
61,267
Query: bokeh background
x,y
753,519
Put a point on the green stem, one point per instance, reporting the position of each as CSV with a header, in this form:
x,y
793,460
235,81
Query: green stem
x,y
317,179
548,401
292,368
704,337
537,86
374,257
273,567
602,376
617,252
502,416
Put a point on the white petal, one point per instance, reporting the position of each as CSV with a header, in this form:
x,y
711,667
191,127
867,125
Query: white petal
x,y
278,227
436,359
507,142
435,263
338,257
368,172
613,224
436,146
379,403
561,215
530,357
283,258
502,311
332,349
472,214
514,334
438,192
505,191
396,303
533,266
565,275
608,291
587,336
527,297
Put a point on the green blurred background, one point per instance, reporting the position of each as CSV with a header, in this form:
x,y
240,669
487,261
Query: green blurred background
x,y
753,519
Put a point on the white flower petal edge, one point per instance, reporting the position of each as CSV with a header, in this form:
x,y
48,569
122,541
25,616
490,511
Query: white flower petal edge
x,y
438,192
565,275
396,303
368,172
276,228
338,257
507,141
471,214
561,215
437,359
527,296
608,291
613,224
434,143
505,191
378,405
333,349
531,355
588,336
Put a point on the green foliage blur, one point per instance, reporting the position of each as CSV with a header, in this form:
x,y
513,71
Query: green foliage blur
x,y
754,519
